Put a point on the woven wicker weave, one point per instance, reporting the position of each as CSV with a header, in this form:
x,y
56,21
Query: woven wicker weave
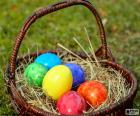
x,y
23,108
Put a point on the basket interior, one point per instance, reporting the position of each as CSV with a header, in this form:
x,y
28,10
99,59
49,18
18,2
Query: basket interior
x,y
118,86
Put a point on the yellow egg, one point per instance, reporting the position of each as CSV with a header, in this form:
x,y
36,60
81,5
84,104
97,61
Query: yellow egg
x,y
57,81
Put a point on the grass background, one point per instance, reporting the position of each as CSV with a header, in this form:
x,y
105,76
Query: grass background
x,y
121,20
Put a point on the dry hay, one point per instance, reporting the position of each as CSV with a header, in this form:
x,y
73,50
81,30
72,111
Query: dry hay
x,y
113,80
116,85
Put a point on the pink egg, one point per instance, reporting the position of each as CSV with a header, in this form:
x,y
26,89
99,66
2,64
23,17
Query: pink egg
x,y
71,104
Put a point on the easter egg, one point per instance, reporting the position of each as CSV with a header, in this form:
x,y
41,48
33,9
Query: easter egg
x,y
94,92
49,60
71,104
57,81
77,74
35,73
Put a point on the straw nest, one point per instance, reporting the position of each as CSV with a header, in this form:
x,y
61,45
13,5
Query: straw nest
x,y
116,85
113,80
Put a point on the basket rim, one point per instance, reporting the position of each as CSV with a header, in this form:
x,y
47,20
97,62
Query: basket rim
x,y
106,110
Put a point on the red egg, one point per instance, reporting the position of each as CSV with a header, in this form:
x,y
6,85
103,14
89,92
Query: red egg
x,y
94,92
71,104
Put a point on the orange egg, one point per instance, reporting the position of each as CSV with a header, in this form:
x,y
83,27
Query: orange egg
x,y
82,88
94,92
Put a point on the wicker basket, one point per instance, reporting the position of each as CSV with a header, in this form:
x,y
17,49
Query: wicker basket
x,y
23,108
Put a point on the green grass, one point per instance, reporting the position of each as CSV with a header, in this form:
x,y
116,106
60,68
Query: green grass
x,y
122,29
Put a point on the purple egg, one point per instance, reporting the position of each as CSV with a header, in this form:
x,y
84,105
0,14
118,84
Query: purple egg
x,y
77,73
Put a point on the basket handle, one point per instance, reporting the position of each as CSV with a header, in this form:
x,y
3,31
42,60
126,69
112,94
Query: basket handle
x,y
44,11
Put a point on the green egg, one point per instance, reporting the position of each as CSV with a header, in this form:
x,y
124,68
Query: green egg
x,y
35,73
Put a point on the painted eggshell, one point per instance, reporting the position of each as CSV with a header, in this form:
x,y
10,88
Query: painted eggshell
x,y
94,92
71,104
57,81
77,74
49,60
35,73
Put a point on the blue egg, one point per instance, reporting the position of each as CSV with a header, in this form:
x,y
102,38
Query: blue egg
x,y
77,73
49,60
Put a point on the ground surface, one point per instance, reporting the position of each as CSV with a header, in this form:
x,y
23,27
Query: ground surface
x,y
122,24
